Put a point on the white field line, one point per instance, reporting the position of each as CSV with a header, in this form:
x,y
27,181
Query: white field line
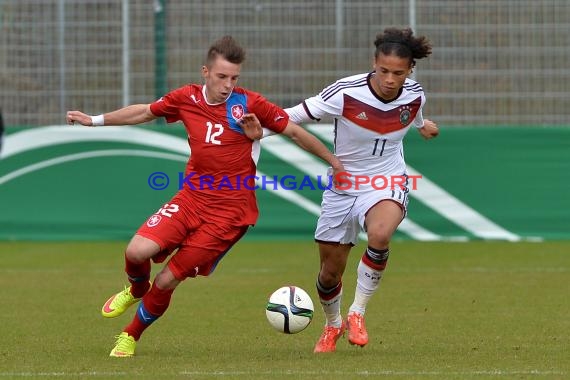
x,y
47,136
62,374
490,372
86,155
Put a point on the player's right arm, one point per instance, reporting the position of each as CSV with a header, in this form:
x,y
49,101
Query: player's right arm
x,y
297,115
129,115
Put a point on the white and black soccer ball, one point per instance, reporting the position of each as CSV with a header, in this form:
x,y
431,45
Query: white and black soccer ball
x,y
290,309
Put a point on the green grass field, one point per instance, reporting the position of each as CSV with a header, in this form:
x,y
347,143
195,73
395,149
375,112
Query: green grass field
x,y
480,310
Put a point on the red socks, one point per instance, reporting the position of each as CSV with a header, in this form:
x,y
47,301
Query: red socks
x,y
152,306
138,274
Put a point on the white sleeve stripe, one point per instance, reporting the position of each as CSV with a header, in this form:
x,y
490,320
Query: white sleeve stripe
x,y
334,88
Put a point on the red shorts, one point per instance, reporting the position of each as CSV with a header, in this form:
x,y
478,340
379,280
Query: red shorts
x,y
200,243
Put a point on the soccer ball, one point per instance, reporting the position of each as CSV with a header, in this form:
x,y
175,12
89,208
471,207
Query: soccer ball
x,y
289,310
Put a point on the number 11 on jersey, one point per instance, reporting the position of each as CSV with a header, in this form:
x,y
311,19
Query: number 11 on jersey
x,y
378,151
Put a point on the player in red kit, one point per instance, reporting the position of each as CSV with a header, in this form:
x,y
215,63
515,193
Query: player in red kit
x,y
217,203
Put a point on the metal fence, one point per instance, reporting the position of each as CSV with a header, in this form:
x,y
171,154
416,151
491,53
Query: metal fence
x,y
494,62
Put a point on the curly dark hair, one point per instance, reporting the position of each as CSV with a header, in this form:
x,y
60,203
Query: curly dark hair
x,y
402,43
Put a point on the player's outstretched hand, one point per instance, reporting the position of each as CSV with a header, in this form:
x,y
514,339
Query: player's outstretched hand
x,y
73,117
429,130
251,126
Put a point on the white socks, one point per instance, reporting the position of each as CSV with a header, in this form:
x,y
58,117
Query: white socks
x,y
366,285
331,306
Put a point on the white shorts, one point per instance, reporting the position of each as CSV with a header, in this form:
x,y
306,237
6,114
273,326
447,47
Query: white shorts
x,y
342,215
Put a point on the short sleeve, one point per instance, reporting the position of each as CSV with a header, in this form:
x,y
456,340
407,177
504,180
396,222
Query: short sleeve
x,y
419,119
168,106
329,102
270,115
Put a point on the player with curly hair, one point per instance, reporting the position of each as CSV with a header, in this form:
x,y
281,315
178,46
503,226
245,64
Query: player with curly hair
x,y
372,113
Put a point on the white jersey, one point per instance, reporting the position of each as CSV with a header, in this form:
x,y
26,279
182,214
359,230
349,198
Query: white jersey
x,y
368,131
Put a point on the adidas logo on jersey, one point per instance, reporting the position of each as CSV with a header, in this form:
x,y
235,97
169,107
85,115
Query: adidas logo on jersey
x,y
362,116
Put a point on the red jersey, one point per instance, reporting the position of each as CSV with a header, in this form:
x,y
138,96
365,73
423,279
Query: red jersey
x,y
219,176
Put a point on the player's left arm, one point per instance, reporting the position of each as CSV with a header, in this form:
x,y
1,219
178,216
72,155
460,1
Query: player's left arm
x,y
429,130
313,145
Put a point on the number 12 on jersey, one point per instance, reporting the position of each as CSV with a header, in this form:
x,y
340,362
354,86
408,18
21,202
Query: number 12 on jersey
x,y
214,130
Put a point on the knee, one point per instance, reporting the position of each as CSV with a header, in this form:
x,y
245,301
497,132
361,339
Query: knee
x,y
165,279
329,276
141,249
135,252
379,238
